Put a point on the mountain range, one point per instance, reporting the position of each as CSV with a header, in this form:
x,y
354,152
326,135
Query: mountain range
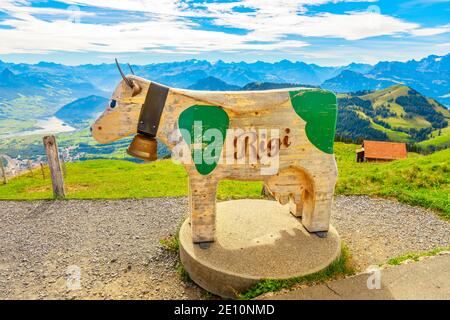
x,y
430,75
351,81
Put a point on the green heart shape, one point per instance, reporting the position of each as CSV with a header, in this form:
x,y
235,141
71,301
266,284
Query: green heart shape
x,y
319,109
196,121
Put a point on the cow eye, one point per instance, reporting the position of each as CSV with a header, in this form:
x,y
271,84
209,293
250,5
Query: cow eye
x,y
112,104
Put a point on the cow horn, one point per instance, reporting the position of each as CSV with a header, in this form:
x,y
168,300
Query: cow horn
x,y
130,83
131,69
127,81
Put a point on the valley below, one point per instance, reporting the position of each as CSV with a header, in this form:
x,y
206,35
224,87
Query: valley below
x,y
51,125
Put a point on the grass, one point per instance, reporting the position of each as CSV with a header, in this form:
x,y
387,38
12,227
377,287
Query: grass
x,y
26,107
184,275
105,179
117,179
339,268
392,134
438,140
423,181
415,256
384,95
418,122
171,243
9,126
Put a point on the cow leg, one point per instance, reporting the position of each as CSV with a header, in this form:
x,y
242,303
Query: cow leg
x,y
316,210
296,205
318,201
202,200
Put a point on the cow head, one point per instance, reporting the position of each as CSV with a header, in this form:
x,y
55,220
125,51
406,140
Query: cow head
x,y
121,117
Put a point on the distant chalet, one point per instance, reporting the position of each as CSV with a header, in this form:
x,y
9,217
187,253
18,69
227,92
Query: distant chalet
x,y
372,151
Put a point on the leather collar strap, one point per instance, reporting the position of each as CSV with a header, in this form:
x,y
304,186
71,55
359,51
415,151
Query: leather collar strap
x,y
152,109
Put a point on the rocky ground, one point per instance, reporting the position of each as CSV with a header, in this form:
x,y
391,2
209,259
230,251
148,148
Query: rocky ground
x,y
115,244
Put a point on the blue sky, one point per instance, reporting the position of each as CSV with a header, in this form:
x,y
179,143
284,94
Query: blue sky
x,y
325,32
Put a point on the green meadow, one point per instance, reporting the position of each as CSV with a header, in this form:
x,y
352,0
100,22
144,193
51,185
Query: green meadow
x,y
439,138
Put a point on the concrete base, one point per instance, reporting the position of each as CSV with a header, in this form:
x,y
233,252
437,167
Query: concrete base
x,y
255,240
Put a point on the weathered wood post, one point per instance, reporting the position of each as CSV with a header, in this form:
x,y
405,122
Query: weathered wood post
x,y
2,168
30,168
51,149
42,170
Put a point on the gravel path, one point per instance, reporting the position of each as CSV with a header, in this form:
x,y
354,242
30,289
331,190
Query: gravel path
x,y
115,244
377,229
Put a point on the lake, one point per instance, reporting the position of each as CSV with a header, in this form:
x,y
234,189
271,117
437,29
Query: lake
x,y
49,125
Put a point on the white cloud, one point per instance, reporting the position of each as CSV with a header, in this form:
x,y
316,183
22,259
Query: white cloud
x,y
424,32
21,8
162,34
169,28
350,26
275,19
30,34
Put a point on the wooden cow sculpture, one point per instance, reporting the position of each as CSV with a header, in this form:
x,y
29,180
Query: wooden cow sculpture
x,y
305,173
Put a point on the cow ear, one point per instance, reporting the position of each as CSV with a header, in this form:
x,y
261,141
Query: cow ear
x,y
136,88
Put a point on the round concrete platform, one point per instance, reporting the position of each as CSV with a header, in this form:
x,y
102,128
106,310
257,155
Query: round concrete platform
x,y
255,240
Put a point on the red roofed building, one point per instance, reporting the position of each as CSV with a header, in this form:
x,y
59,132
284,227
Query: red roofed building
x,y
381,151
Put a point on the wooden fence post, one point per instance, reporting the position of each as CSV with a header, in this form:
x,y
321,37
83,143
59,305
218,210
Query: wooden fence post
x,y
51,148
30,168
42,170
2,168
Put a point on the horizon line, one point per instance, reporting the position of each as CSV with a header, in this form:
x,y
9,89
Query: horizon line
x,y
213,62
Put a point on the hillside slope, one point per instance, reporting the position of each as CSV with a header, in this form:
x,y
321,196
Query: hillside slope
x,y
80,112
422,180
439,138
397,113
30,95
